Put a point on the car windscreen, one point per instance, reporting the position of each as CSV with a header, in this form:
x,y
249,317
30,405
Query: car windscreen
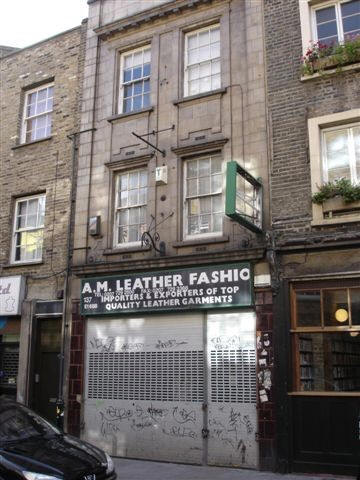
x,y
19,423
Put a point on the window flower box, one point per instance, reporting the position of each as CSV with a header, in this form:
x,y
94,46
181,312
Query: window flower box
x,y
338,204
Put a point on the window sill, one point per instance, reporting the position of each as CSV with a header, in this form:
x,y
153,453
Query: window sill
x,y
129,249
201,241
323,394
129,114
336,220
45,139
23,264
331,71
219,91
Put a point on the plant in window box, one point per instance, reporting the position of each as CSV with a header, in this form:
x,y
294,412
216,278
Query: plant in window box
x,y
320,56
340,194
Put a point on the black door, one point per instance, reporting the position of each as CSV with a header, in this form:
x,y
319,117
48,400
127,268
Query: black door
x,y
47,367
326,434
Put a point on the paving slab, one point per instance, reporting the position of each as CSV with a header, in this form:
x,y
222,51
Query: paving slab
x,y
147,470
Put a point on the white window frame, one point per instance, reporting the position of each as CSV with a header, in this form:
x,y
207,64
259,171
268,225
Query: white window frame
x,y
354,177
25,118
209,235
308,20
121,80
186,65
26,229
316,126
117,208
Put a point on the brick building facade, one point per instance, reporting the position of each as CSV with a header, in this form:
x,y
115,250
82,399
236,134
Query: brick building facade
x,y
40,99
314,122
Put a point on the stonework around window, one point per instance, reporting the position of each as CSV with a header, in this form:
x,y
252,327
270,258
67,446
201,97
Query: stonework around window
x,y
28,229
203,196
130,211
135,80
334,147
37,119
202,61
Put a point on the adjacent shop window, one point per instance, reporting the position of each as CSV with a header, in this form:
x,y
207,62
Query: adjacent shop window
x,y
37,113
341,153
130,211
135,80
326,339
336,21
204,205
28,229
202,61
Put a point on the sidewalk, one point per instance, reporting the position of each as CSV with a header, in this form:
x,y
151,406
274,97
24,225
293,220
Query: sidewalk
x,y
145,470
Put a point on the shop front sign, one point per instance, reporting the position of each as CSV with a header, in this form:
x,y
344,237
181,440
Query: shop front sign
x,y
11,295
169,290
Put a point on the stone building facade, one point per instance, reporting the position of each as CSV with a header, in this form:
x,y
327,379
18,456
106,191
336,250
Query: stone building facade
x,y
171,354
40,98
314,123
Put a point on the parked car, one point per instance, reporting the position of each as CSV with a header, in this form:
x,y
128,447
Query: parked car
x,y
31,448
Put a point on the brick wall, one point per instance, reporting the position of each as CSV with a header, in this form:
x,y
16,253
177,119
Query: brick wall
x,y
291,102
265,371
76,371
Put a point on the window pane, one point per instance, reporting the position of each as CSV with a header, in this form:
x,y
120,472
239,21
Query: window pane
x,y
216,164
134,180
308,308
137,102
194,206
205,223
337,154
41,107
146,86
205,84
123,182
336,309
137,58
134,216
325,14
204,38
205,70
194,72
215,67
355,306
204,186
127,105
128,91
205,205
215,50
351,24
143,178
191,187
217,222
193,226
356,136
123,217
192,41
138,88
193,57
146,100
143,215
191,169
328,362
147,55
215,35
31,110
137,73
146,70
123,199
204,53
204,167
123,235
350,8
128,61
134,234
194,87
127,75
217,205
215,82
216,183
133,197
327,30
142,195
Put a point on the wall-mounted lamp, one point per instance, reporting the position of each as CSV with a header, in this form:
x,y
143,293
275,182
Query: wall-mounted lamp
x,y
341,315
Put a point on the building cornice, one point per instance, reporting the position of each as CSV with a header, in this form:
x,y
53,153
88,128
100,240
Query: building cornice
x,y
134,21
157,263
